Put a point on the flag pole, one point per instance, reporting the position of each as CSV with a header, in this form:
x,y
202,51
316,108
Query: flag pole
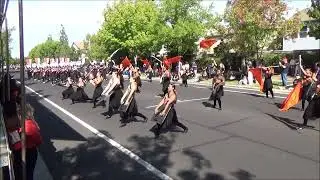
x,y
8,60
23,115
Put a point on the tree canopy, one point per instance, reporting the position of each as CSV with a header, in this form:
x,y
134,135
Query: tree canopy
x,y
251,26
142,27
314,12
54,49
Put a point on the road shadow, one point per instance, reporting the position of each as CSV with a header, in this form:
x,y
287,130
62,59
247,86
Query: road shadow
x,y
292,124
154,151
200,163
69,155
242,175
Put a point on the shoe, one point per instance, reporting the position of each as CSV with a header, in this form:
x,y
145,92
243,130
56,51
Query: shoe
x,y
185,130
94,107
108,116
145,120
219,108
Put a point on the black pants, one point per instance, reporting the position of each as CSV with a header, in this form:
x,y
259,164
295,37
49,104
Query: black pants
x,y
310,111
271,92
174,122
31,160
215,102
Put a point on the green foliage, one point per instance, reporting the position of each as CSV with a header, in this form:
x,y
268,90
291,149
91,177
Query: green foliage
x,y
142,27
314,12
4,38
254,25
271,58
129,25
50,48
188,21
54,49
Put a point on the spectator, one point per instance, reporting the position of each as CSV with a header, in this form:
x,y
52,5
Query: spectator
x,y
33,139
284,68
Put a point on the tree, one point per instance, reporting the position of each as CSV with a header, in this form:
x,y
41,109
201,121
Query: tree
x,y
130,25
6,38
185,21
49,48
314,12
253,25
64,49
63,36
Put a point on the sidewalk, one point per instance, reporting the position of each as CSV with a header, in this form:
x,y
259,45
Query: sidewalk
x,y
207,83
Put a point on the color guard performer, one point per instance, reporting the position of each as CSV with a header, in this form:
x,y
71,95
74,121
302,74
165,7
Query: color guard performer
x,y
114,91
69,91
217,91
313,108
166,77
165,113
309,82
129,108
267,85
97,82
80,95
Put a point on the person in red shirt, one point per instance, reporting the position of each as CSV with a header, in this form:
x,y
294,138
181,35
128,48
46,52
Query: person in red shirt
x,y
33,138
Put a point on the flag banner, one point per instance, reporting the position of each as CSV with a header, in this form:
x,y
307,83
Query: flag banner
x,y
257,74
126,62
174,59
293,98
207,43
145,62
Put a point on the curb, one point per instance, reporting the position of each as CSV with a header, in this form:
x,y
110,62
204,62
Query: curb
x,y
227,86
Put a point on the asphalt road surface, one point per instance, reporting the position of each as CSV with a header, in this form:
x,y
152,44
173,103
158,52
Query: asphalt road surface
x,y
248,139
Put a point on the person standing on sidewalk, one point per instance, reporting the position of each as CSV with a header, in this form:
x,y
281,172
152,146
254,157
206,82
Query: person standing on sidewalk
x,y
284,66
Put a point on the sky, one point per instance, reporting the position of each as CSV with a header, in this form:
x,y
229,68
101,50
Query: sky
x,y
43,17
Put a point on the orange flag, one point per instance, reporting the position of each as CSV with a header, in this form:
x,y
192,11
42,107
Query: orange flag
x,y
126,62
293,98
257,74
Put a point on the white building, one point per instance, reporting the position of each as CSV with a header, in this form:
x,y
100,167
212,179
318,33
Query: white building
x,y
302,42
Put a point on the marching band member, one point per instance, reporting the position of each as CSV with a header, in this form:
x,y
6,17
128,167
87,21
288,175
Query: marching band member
x,y
97,82
114,91
165,109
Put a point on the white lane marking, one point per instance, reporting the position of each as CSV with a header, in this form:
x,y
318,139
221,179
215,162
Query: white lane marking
x,y
133,156
240,92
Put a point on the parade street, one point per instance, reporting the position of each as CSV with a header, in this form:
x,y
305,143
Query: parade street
x,y
248,139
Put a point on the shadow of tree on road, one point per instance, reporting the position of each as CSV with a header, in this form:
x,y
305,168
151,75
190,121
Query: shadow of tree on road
x,y
154,151
69,155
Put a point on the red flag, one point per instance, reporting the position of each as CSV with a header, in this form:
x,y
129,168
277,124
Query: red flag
x,y
174,59
207,43
166,63
145,62
126,62
293,98
257,74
